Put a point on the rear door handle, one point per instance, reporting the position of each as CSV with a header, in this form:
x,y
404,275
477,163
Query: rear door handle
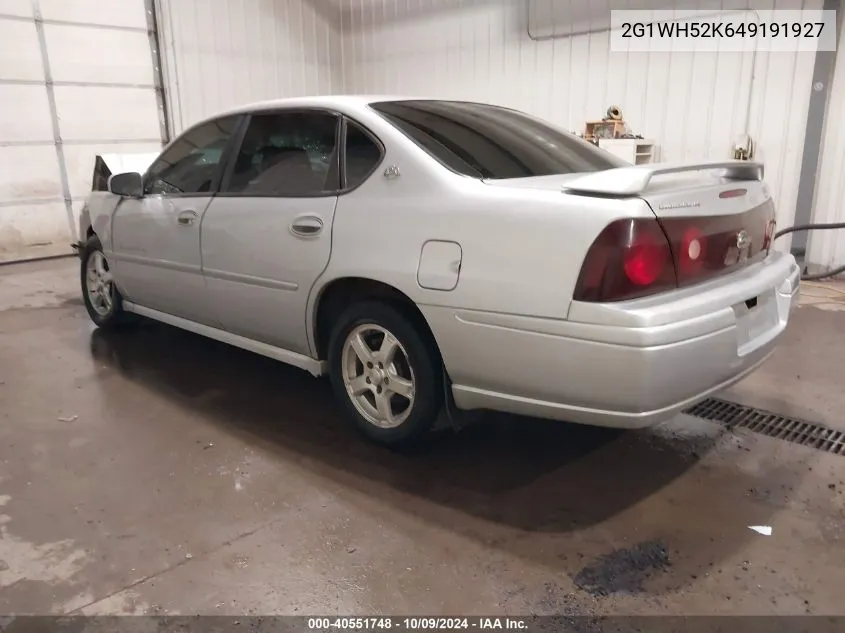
x,y
306,226
186,218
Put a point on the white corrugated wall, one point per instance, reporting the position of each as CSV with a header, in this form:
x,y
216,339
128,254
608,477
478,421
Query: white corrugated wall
x,y
76,80
220,53
223,53
826,249
693,105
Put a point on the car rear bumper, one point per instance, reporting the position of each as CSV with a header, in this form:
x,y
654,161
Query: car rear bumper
x,y
629,364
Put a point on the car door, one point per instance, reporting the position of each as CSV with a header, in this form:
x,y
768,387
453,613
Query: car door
x,y
157,237
266,237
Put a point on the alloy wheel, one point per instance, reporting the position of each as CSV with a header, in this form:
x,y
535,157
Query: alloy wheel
x,y
99,284
378,376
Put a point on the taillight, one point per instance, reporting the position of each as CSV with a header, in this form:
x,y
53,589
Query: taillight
x,y
638,257
704,247
630,258
645,259
692,251
770,234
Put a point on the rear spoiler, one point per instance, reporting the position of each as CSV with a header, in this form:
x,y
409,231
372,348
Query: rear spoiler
x,y
633,180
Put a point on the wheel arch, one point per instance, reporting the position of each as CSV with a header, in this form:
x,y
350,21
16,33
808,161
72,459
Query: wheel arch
x,y
334,296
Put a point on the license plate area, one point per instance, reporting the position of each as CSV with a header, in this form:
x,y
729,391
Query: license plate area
x,y
757,317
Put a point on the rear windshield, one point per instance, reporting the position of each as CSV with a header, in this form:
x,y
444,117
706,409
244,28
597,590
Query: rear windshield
x,y
491,142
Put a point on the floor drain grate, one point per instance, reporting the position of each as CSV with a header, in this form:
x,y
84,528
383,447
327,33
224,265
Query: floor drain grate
x,y
780,427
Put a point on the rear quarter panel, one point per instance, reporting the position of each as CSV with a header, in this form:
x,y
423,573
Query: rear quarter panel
x,y
522,248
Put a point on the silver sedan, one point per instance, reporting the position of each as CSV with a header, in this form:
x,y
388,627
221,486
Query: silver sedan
x,y
440,255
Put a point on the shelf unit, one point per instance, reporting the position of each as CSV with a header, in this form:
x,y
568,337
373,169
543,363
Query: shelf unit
x,y
637,151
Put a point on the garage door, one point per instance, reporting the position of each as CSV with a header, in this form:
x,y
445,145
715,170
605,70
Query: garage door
x,y
77,79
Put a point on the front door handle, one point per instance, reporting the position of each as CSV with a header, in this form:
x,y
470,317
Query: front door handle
x,y
186,218
306,226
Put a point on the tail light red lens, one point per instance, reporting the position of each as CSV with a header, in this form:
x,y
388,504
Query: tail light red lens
x,y
645,260
692,251
770,234
707,246
638,257
630,258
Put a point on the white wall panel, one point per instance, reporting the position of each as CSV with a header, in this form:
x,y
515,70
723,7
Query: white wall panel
x,y
76,76
826,249
99,56
223,53
112,13
692,104
29,172
33,229
20,56
26,115
31,211
22,8
122,114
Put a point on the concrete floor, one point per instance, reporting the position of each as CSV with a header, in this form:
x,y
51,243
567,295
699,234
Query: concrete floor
x,y
158,472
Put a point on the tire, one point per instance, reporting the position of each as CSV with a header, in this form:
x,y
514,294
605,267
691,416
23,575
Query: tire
x,y
413,366
104,305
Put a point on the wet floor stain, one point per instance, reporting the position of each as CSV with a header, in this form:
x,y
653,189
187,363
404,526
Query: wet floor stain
x,y
623,570
201,478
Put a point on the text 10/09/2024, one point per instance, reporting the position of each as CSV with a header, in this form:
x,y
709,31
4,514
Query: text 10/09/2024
x,y
384,623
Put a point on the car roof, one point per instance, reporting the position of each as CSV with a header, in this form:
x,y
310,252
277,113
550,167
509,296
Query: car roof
x,y
331,101
349,104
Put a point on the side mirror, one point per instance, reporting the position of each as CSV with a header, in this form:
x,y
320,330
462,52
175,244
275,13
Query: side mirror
x,y
128,184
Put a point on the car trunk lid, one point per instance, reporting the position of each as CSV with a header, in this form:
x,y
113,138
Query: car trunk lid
x,y
718,217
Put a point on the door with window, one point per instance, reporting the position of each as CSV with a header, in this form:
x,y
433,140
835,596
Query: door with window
x,y
157,237
266,236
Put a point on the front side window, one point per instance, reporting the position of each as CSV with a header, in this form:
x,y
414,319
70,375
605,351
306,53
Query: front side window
x,y
287,154
491,142
191,165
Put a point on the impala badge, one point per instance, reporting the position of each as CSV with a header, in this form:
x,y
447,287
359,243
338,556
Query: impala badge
x,y
692,204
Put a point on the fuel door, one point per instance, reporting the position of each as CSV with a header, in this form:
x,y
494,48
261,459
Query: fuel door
x,y
440,265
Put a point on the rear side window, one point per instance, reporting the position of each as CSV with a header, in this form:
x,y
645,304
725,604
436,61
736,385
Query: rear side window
x,y
287,154
491,142
361,157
